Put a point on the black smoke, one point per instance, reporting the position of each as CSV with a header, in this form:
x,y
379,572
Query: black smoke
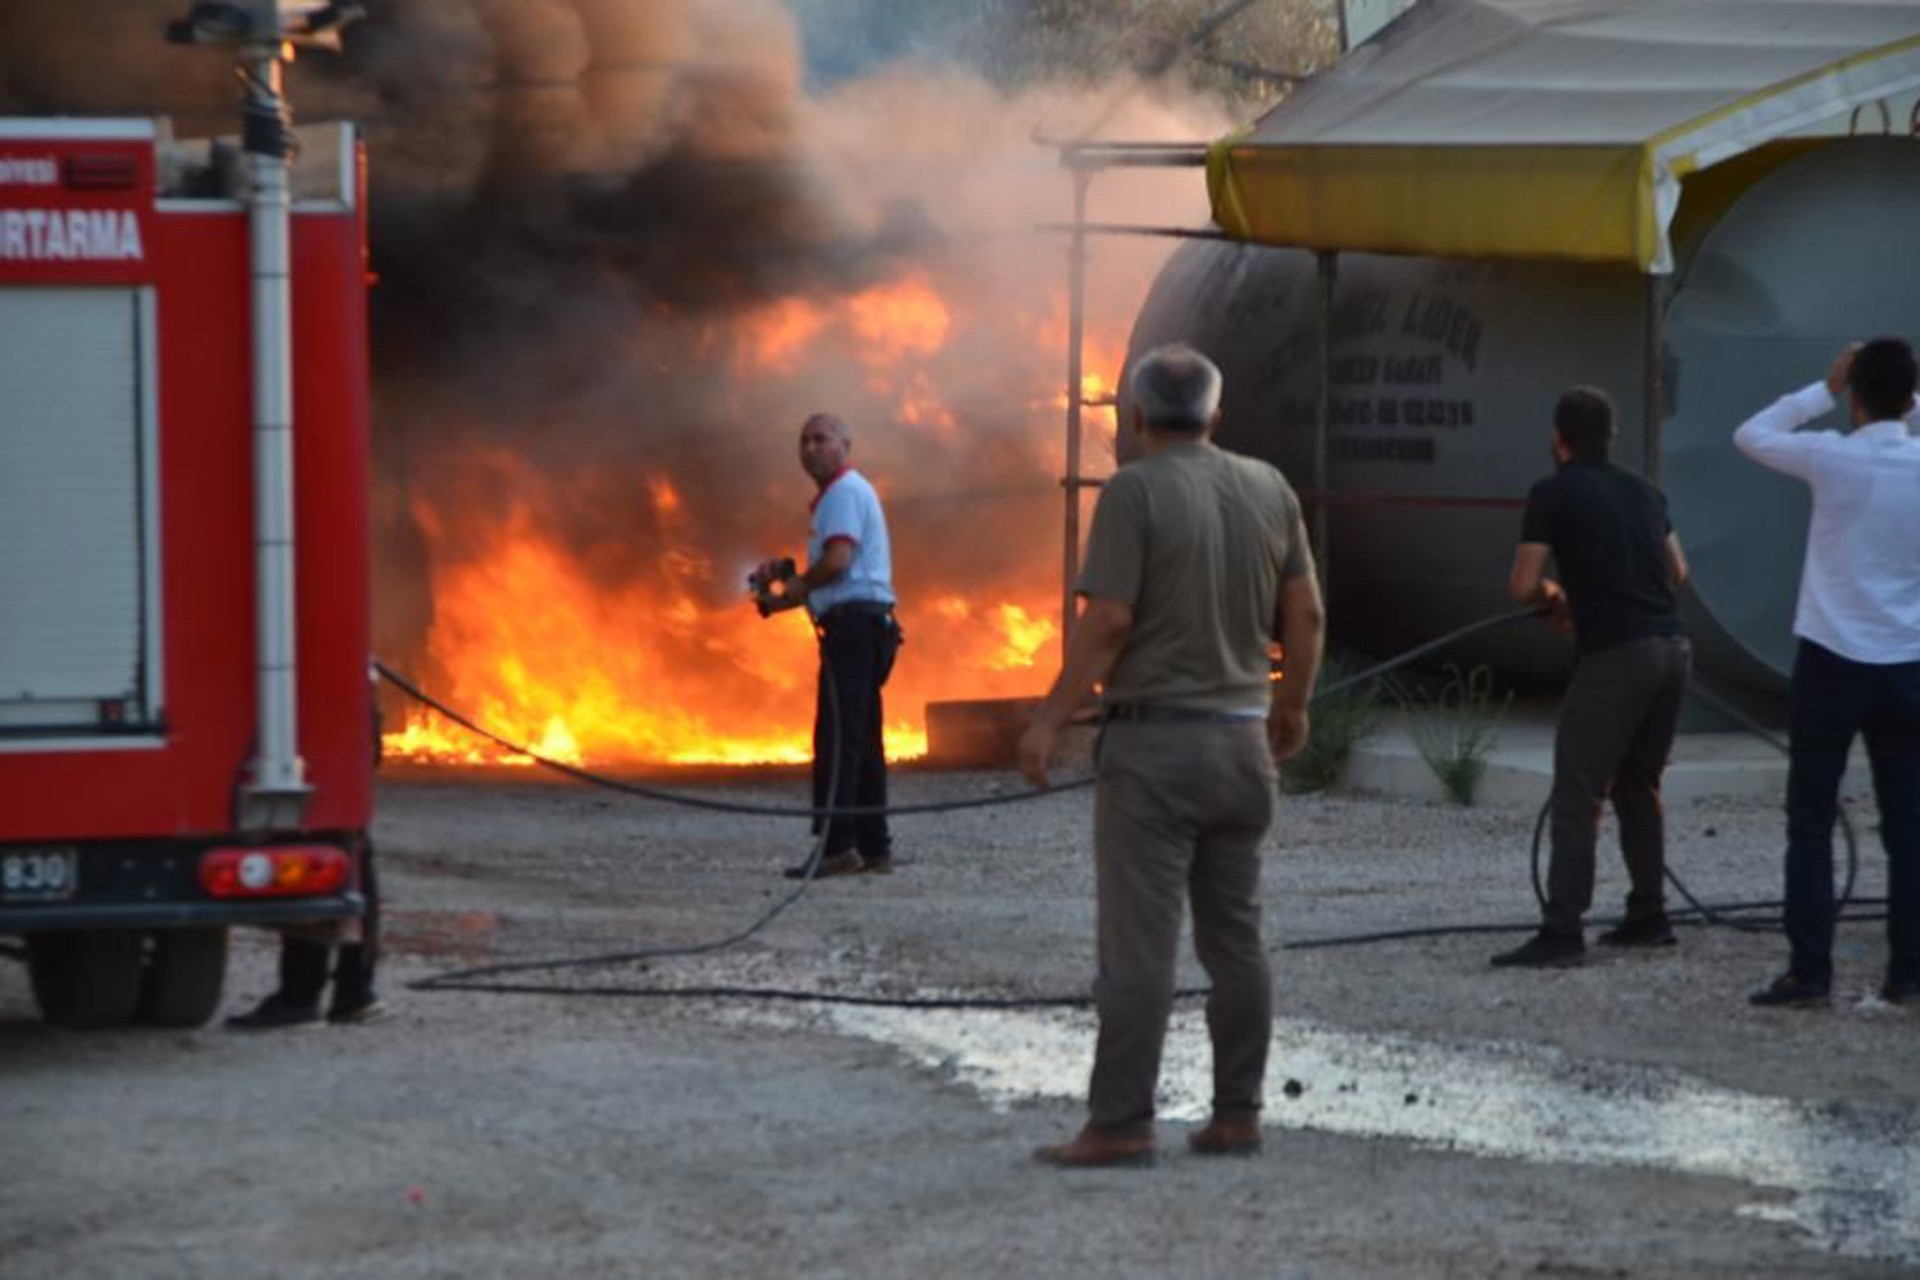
x,y
578,209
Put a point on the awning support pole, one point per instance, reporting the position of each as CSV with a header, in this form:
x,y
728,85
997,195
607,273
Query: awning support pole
x,y
1327,262
1655,389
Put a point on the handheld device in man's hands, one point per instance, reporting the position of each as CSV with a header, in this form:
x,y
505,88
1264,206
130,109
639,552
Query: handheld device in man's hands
x,y
762,581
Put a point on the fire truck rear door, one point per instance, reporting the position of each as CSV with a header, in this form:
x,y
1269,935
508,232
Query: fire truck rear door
x,y
79,582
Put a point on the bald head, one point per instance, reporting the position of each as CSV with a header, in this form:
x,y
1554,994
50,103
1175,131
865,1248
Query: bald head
x,y
825,443
826,422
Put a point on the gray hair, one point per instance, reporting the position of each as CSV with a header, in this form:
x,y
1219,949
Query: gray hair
x,y
1175,388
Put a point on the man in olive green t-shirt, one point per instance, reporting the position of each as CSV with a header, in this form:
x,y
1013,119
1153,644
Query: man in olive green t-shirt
x,y
1197,560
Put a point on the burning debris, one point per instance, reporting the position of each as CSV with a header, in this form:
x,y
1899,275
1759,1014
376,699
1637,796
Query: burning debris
x,y
623,252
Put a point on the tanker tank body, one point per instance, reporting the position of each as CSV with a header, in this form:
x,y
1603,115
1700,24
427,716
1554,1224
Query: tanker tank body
x,y
1445,373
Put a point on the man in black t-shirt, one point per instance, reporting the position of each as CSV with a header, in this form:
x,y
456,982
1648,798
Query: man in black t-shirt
x,y
1619,562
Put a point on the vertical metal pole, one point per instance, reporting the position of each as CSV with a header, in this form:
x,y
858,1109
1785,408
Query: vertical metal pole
x,y
1346,39
1328,264
1651,439
1076,324
278,790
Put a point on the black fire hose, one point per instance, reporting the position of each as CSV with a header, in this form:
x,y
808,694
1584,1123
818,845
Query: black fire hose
x,y
477,979
462,979
664,796
1721,915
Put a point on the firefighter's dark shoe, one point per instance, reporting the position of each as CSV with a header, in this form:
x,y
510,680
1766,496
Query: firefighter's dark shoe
x,y
1544,951
878,866
1093,1148
1650,931
1789,992
273,1014
829,866
356,1013
1231,1135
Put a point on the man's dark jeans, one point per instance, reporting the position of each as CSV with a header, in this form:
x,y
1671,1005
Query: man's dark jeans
x,y
1835,698
857,648
303,961
1614,736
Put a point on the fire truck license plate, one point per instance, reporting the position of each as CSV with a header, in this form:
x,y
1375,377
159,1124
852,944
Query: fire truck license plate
x,y
38,875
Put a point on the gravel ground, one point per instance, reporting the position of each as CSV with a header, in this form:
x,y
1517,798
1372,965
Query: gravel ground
x,y
480,1135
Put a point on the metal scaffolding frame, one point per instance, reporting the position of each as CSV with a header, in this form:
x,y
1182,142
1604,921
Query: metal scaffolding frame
x,y
1085,161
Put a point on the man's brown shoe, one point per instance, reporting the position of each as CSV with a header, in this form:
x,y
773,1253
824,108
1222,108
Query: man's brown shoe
x,y
1226,1136
1093,1149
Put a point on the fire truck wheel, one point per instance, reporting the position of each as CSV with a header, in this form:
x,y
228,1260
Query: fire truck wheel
x,y
184,976
86,979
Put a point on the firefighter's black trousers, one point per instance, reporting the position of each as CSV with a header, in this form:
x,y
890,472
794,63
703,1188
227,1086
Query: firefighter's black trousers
x,y
857,647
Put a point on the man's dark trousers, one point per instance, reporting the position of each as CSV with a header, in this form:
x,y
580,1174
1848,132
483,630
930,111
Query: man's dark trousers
x,y
1615,733
303,961
1835,698
857,648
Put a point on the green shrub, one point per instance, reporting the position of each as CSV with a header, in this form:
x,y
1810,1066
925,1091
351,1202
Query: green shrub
x,y
1339,723
1455,729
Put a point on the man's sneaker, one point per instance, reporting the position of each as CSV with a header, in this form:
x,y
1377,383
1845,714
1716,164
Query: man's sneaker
x,y
1544,951
273,1013
1789,992
1900,991
1650,931
354,1013
878,866
833,864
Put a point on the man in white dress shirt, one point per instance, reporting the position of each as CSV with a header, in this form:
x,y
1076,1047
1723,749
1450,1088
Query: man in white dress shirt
x,y
1857,670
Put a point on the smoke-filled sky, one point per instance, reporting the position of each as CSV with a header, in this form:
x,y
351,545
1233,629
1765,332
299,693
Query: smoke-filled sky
x,y
626,246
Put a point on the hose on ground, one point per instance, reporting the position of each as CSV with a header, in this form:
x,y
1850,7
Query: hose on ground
x,y
485,979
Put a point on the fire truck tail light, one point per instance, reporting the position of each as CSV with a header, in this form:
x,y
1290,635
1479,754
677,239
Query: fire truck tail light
x,y
275,871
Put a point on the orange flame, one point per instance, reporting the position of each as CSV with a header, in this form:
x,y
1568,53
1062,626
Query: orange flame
x,y
896,320
675,666
774,339
1022,634
654,674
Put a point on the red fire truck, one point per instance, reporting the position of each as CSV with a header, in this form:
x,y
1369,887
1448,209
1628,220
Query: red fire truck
x,y
186,736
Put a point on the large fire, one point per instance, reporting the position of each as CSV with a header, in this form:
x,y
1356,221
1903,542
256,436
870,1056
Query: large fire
x,y
624,248
674,666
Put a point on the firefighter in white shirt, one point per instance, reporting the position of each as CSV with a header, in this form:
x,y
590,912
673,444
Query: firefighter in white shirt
x,y
1857,669
847,588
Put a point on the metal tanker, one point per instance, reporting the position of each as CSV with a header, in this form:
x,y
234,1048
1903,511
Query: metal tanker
x,y
1444,373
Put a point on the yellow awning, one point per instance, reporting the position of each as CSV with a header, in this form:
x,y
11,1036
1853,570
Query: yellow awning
x,y
1548,128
